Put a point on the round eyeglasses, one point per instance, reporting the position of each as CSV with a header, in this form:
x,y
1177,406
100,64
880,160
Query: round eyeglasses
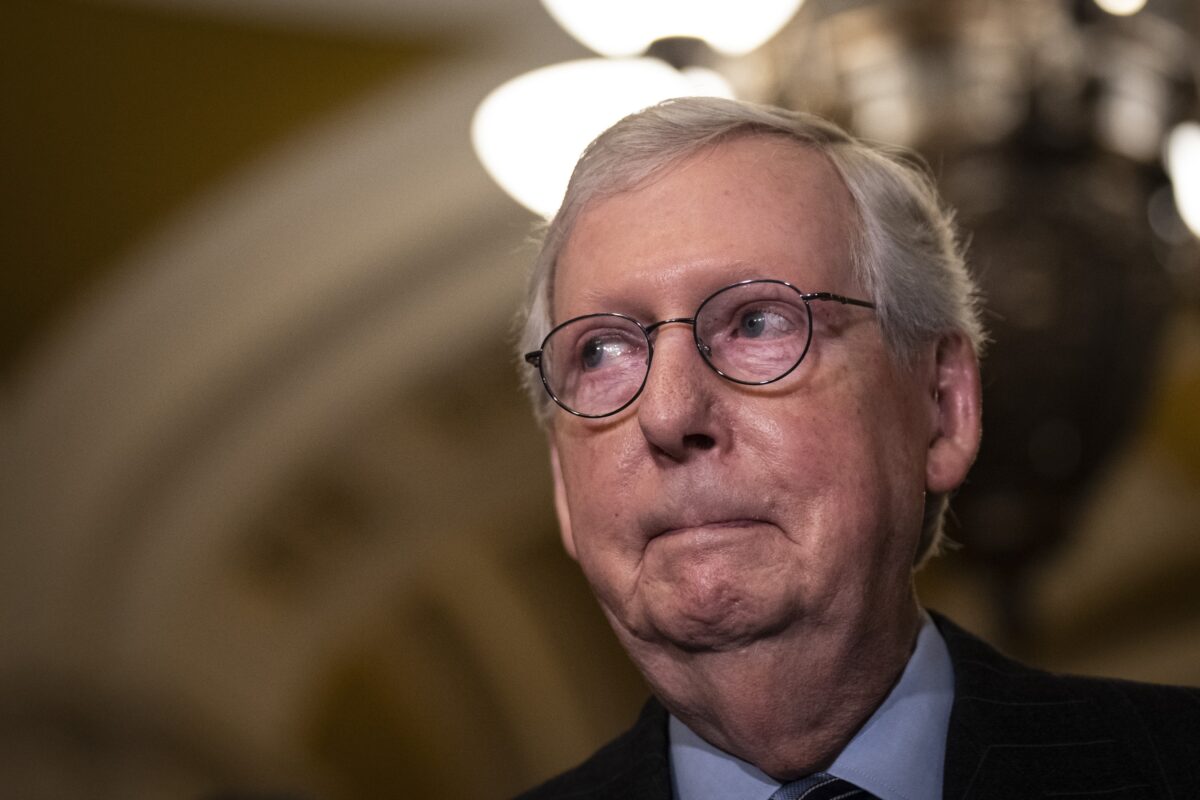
x,y
753,332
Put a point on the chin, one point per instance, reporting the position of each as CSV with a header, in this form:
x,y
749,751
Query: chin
x,y
715,622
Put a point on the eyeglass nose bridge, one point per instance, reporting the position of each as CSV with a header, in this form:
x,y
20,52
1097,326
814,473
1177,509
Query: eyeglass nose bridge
x,y
651,330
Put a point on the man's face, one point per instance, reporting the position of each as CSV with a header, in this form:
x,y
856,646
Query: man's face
x,y
708,515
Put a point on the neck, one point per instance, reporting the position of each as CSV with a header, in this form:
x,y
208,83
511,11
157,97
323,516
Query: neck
x,y
788,704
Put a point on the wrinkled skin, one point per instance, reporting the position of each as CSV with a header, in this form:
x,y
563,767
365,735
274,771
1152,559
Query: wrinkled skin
x,y
753,546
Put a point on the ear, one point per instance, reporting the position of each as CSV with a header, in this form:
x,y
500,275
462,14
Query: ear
x,y
561,508
957,407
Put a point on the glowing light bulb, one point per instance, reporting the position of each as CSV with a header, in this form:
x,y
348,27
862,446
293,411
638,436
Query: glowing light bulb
x,y
1121,8
1182,157
530,131
628,27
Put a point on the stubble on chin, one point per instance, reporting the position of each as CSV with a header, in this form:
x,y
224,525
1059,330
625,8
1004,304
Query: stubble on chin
x,y
713,600
689,618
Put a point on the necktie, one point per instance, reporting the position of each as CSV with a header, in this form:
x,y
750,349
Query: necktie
x,y
820,786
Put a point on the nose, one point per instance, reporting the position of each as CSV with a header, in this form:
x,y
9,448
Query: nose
x,y
677,411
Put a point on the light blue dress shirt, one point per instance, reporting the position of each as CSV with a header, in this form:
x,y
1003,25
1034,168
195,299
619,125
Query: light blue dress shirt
x,y
898,754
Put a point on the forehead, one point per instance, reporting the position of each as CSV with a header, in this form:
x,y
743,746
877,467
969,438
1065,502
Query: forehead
x,y
756,206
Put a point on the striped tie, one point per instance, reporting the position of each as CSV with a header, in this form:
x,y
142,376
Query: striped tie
x,y
820,786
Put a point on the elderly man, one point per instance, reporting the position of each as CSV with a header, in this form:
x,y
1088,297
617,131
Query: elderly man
x,y
754,344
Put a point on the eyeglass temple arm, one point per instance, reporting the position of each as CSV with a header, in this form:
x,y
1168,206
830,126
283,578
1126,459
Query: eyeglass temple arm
x,y
838,298
534,358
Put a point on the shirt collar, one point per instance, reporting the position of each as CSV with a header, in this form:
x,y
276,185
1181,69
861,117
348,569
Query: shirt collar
x,y
898,754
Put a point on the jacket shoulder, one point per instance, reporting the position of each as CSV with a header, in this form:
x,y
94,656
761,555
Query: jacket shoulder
x,y
978,664
634,765
1014,723
1165,720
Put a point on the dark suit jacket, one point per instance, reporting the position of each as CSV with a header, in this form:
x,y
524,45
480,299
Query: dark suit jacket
x,y
1015,732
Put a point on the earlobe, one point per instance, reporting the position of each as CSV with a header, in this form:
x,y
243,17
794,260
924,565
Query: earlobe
x,y
561,508
957,406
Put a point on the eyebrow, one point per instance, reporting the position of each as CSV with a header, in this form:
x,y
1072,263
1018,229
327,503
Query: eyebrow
x,y
597,300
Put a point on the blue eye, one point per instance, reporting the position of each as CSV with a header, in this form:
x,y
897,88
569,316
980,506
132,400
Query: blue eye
x,y
752,324
763,322
600,351
593,353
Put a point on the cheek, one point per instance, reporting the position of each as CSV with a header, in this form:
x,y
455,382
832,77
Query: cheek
x,y
851,469
599,476
884,499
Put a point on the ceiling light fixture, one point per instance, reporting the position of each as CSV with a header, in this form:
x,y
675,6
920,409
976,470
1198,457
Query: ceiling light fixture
x,y
1121,8
629,27
1182,159
530,131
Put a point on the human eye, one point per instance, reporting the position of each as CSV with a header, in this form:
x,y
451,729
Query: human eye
x,y
600,350
762,322
754,331
598,344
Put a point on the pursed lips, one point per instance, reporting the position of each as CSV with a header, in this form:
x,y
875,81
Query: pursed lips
x,y
666,525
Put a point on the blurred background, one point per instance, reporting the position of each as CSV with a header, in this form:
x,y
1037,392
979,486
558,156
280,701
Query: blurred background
x,y
274,514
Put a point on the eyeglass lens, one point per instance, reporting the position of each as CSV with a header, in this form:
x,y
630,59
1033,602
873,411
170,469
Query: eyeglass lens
x,y
752,333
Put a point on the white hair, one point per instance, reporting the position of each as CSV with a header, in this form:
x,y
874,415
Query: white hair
x,y
904,248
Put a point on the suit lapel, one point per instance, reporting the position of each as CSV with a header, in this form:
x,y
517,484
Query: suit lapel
x,y
1017,732
634,766
644,772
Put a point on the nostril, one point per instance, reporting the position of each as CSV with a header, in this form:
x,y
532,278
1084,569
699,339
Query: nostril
x,y
698,441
